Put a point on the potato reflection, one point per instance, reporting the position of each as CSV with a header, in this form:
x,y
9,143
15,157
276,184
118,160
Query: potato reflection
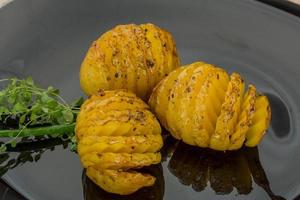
x,y
156,192
225,171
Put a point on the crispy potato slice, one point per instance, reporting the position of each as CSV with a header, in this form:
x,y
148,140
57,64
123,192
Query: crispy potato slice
x,y
159,99
260,121
245,119
119,160
120,144
119,182
207,107
175,97
230,111
187,105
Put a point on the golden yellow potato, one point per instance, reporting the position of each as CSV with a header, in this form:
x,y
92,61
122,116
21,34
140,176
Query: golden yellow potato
x,y
119,182
116,133
133,57
204,106
260,121
91,191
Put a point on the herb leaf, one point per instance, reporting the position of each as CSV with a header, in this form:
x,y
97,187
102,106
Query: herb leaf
x,y
28,105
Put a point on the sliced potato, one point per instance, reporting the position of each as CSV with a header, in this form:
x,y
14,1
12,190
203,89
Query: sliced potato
x,y
230,112
159,99
245,119
260,121
133,57
201,105
119,160
116,132
120,144
119,182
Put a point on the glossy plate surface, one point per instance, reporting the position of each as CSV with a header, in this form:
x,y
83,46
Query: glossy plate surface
x,y
47,39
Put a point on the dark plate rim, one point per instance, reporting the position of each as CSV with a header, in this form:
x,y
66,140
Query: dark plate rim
x,y
284,5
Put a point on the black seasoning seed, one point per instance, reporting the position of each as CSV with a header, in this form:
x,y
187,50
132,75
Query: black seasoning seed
x,y
116,75
101,92
130,101
134,128
166,74
132,147
146,30
115,53
188,90
149,63
172,95
108,78
218,76
165,44
125,76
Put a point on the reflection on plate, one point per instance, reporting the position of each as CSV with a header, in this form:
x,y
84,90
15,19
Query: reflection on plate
x,y
28,150
156,192
192,166
223,170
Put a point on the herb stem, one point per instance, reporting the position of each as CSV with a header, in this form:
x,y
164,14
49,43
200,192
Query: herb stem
x,y
40,131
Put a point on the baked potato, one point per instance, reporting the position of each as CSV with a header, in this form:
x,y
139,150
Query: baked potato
x,y
132,57
204,106
116,133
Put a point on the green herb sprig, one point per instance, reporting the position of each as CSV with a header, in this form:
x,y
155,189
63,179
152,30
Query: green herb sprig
x,y
28,110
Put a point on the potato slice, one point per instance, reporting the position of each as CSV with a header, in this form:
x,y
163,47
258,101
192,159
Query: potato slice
x,y
188,101
119,160
120,144
159,99
245,119
260,121
230,111
119,182
175,97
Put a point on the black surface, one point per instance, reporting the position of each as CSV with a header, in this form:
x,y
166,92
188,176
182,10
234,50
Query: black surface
x,y
47,39
8,193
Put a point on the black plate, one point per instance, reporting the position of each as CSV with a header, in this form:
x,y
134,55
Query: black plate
x,y
47,39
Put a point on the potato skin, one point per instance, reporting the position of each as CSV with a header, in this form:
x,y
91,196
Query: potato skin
x,y
133,57
203,106
116,133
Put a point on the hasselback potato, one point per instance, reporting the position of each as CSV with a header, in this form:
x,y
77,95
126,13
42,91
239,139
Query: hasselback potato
x,y
116,133
133,57
204,106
